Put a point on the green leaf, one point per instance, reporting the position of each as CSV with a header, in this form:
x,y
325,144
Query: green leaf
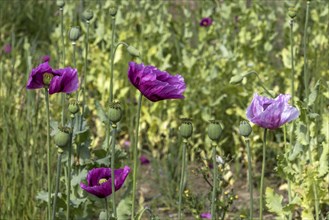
x,y
301,132
314,93
101,113
124,208
274,202
298,148
323,167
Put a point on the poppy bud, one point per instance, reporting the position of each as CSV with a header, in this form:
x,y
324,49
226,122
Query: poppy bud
x,y
214,130
236,79
245,129
133,51
113,9
73,106
186,128
74,34
47,77
88,15
115,112
62,137
292,12
60,3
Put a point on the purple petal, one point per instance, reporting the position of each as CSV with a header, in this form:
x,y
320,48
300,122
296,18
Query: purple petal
x,y
143,159
35,80
155,84
206,215
205,22
45,58
67,82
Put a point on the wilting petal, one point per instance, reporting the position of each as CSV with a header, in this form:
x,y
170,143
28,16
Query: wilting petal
x,y
271,113
35,80
67,81
155,84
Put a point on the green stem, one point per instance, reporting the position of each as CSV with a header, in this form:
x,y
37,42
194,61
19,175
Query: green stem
x,y
48,152
288,180
292,77
263,86
106,209
84,77
58,173
112,59
114,131
261,191
251,185
181,185
214,188
63,65
135,155
68,182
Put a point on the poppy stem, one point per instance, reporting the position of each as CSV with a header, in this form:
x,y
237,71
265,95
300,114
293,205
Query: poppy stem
x,y
114,131
84,76
135,155
214,185
59,161
181,185
63,64
48,152
261,191
68,182
250,181
106,209
112,58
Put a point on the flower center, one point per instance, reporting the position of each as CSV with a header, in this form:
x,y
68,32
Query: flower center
x,y
205,23
47,78
101,181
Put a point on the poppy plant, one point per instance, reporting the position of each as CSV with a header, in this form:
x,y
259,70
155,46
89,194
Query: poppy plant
x,y
99,181
155,84
58,80
271,113
205,22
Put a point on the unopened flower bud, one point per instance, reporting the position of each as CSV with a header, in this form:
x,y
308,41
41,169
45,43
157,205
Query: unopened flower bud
x,y
115,112
73,106
47,77
186,128
113,9
292,12
62,137
236,79
245,129
88,15
60,3
74,33
133,51
214,130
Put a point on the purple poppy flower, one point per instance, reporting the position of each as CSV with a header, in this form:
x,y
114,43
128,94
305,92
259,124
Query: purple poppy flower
x,y
271,113
205,22
206,215
45,58
61,80
155,84
7,48
100,182
144,161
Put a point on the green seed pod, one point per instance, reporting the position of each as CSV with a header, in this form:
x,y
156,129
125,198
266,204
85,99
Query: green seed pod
x,y
214,130
47,77
133,51
113,9
60,3
115,112
74,34
73,106
62,137
88,15
186,128
245,129
292,12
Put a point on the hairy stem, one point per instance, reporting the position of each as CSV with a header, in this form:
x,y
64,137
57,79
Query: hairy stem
x,y
250,181
48,152
214,185
261,190
181,185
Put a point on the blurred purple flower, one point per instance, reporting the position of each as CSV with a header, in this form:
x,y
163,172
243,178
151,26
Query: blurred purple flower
x,y
155,84
205,22
62,80
144,161
206,215
45,58
100,182
7,48
271,113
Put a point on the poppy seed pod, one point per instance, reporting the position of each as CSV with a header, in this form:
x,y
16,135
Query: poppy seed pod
x,y
292,12
245,129
62,137
47,77
73,106
60,3
133,51
113,9
214,130
186,128
74,33
88,15
115,112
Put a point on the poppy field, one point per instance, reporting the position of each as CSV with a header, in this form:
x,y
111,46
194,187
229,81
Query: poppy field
x,y
144,109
